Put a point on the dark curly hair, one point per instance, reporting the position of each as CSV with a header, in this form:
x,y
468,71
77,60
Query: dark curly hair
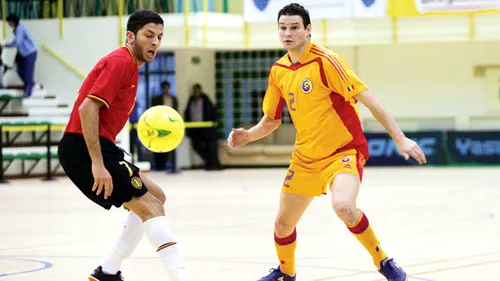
x,y
142,17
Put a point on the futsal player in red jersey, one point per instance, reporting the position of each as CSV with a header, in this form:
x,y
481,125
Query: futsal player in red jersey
x,y
89,156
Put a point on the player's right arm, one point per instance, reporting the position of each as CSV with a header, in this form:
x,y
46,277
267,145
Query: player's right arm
x,y
272,106
239,137
100,96
89,116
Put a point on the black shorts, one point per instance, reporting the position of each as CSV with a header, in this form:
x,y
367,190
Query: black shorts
x,y
75,160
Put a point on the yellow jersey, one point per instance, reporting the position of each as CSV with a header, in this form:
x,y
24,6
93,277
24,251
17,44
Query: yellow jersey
x,y
319,92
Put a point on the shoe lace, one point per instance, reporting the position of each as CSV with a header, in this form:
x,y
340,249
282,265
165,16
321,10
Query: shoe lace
x,y
272,270
388,262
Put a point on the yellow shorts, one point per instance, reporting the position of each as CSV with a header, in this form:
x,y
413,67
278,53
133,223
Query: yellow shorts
x,y
314,178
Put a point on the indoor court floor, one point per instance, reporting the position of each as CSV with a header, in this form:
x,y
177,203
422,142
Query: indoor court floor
x,y
438,223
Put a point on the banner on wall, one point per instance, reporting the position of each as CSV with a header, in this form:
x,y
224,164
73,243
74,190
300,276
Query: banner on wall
x,y
474,147
425,6
384,152
267,10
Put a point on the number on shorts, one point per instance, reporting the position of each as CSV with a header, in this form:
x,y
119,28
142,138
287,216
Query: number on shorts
x,y
288,177
127,166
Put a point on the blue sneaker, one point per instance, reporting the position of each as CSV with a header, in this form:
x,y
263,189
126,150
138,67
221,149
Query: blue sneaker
x,y
276,275
391,270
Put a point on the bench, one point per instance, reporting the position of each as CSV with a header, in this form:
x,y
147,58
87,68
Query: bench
x,y
6,96
31,155
38,148
38,99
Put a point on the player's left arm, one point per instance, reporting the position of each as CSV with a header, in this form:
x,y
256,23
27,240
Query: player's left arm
x,y
343,80
368,99
406,146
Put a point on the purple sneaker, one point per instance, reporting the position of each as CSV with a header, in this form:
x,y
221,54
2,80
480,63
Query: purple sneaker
x,y
276,275
391,270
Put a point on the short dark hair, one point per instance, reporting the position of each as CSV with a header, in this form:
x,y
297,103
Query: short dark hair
x,y
295,9
142,17
165,83
12,18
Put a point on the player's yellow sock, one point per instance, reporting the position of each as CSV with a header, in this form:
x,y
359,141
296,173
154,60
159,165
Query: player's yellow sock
x,y
365,235
285,247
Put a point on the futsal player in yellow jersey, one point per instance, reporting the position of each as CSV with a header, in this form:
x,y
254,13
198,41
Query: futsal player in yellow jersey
x,y
321,91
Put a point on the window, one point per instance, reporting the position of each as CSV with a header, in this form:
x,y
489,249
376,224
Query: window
x,y
162,68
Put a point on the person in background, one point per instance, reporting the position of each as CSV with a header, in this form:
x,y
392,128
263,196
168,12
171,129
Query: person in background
x,y
3,69
26,53
203,140
168,160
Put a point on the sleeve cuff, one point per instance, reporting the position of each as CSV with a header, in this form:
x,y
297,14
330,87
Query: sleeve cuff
x,y
102,100
358,90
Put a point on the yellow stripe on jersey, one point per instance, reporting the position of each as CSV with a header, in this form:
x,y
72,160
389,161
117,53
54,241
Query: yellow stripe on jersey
x,y
333,60
99,99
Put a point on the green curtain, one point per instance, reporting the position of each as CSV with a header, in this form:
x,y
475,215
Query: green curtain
x,y
33,9
28,9
194,6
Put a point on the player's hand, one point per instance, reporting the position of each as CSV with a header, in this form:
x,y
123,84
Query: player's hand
x,y
238,137
102,180
408,147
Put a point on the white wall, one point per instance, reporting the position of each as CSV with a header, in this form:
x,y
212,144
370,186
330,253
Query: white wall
x,y
434,80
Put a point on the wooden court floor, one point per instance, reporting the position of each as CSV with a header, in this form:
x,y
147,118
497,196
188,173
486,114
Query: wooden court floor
x,y
438,223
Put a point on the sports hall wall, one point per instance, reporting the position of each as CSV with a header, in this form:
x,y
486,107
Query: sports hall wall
x,y
425,81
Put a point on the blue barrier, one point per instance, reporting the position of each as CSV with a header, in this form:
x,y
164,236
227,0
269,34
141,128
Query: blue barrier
x,y
440,148
383,151
473,147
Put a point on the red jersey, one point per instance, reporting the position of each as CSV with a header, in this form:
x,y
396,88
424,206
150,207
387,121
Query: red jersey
x,y
113,82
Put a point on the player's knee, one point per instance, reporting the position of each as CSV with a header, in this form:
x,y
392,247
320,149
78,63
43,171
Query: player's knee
x,y
155,207
162,197
149,207
344,209
282,228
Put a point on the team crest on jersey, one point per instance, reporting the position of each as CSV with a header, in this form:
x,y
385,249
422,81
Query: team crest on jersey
x,y
136,182
307,86
346,159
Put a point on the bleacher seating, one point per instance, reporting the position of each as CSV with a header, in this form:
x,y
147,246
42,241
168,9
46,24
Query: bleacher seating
x,y
30,131
9,98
